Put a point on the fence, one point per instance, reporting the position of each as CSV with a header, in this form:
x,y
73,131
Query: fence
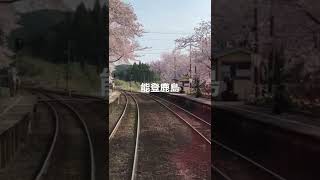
x,y
12,138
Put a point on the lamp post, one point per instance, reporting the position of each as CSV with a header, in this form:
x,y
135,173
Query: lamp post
x,y
68,75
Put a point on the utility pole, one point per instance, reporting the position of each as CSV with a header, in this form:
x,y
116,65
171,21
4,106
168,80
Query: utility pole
x,y
174,61
68,63
190,78
131,77
271,20
175,67
256,27
57,77
256,47
272,55
159,68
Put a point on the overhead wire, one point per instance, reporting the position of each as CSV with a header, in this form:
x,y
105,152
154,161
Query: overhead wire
x,y
167,33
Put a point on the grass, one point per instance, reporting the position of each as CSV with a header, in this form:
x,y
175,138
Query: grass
x,y
53,76
135,86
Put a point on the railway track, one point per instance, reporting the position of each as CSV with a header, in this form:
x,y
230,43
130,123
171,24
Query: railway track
x,y
71,154
114,125
129,121
231,156
124,141
199,109
198,125
164,149
219,175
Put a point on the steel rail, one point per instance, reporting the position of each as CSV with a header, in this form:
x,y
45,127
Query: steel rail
x,y
46,162
195,116
200,134
220,173
87,132
135,158
249,160
225,147
114,130
92,159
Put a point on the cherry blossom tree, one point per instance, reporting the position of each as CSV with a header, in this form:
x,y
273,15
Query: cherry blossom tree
x,y
123,30
293,25
175,64
171,65
200,43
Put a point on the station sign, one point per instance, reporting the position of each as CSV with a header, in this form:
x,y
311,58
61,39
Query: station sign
x,y
163,87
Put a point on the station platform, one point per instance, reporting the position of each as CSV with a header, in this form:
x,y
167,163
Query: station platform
x,y
291,121
15,116
199,100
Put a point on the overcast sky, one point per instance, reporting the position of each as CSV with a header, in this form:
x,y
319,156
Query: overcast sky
x,y
167,20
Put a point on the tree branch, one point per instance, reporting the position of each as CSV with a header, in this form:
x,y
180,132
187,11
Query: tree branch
x,y
116,59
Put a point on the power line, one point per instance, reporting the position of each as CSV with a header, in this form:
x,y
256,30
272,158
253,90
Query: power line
x,y
149,53
156,32
157,50
167,39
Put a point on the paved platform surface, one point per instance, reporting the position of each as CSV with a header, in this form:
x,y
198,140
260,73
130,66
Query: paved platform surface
x,y
12,109
113,96
200,100
290,121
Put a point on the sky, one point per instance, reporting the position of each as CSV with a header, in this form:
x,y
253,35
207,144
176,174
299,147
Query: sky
x,y
167,20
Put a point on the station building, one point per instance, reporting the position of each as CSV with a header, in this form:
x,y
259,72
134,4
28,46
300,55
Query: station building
x,y
183,82
239,71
